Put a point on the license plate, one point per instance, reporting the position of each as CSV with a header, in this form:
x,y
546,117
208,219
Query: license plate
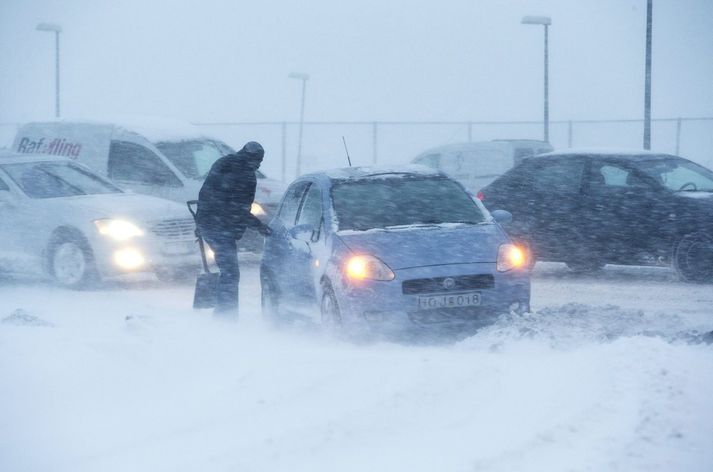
x,y
180,247
449,300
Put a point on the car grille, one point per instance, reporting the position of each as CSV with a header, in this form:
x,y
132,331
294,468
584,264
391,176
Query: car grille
x,y
181,228
436,284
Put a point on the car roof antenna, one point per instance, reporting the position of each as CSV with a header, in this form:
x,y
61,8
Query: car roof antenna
x,y
347,151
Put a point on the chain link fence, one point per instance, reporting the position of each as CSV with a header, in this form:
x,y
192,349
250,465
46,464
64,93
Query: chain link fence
x,y
396,142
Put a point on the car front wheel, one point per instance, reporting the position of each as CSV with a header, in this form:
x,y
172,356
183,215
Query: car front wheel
x,y
693,257
270,302
72,262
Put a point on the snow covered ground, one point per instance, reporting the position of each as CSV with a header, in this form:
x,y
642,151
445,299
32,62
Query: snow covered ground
x,y
610,372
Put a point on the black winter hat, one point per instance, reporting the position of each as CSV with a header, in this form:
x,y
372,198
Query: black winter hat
x,y
254,149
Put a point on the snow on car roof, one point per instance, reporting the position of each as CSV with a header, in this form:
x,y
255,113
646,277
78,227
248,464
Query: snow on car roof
x,y
604,151
377,172
15,158
155,129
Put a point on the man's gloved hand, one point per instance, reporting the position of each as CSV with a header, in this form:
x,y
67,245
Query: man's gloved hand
x,y
265,230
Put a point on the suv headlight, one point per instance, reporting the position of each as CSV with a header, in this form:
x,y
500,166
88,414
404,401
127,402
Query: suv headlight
x,y
119,230
368,267
510,257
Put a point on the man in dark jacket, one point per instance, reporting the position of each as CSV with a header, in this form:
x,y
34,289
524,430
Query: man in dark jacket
x,y
224,214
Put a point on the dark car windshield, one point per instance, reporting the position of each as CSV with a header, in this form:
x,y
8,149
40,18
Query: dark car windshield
x,y
402,201
679,174
57,179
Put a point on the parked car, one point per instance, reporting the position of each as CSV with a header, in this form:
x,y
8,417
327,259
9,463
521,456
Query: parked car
x,y
163,158
477,164
61,219
389,248
592,207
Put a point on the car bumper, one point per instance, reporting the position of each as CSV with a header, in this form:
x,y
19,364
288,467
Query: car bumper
x,y
388,305
155,255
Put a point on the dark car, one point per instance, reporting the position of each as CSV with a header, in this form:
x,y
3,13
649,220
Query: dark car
x,y
590,208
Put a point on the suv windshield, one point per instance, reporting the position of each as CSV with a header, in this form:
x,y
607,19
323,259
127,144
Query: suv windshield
x,y
388,202
194,157
57,179
679,175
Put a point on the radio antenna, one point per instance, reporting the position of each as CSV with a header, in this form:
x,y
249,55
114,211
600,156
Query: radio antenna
x,y
347,151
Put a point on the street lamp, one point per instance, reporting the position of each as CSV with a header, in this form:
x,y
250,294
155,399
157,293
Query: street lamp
x,y
545,21
303,77
56,29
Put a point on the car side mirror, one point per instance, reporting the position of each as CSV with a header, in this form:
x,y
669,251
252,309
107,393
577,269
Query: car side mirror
x,y
502,216
302,232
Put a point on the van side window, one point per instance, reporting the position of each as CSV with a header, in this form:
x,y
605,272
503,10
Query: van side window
x,y
132,162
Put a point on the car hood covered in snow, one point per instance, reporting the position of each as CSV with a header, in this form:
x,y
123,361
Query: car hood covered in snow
x,y
122,205
417,246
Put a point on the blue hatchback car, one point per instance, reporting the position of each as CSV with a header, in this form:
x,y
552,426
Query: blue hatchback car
x,y
389,248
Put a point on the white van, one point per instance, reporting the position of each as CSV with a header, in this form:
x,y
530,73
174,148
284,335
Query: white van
x,y
477,164
163,158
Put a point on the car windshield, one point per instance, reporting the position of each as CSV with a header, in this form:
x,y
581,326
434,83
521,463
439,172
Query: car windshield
x,y
194,157
679,175
57,179
402,201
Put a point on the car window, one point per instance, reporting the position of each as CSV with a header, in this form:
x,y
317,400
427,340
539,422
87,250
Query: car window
x,y
391,202
291,202
311,211
56,179
679,175
562,177
611,175
193,157
135,163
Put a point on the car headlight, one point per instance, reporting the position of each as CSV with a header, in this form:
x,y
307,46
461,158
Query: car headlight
x,y
120,230
368,267
256,209
511,257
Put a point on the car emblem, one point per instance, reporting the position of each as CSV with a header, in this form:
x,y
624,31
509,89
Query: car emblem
x,y
449,283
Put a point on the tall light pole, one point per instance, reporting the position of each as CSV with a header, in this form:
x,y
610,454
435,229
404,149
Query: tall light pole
x,y
647,79
545,21
303,77
56,29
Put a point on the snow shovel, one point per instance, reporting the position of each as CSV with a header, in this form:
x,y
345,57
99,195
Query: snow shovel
x,y
206,292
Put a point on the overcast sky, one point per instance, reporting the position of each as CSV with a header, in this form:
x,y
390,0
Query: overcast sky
x,y
217,60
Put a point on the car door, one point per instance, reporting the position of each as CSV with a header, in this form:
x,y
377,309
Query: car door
x,y
623,208
18,231
307,244
280,247
554,205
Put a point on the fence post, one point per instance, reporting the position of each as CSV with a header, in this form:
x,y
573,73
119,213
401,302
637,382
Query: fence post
x,y
470,131
284,150
569,134
375,141
678,136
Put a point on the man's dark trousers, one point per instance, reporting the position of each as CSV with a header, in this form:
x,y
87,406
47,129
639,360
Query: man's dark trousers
x,y
225,247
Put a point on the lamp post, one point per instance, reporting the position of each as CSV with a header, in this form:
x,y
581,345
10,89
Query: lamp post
x,y
303,77
545,21
56,29
647,79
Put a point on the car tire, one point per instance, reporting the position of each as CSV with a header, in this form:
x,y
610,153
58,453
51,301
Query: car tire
x,y
693,257
585,266
270,302
71,261
331,316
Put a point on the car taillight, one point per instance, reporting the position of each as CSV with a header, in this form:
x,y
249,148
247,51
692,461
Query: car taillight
x,y
480,196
